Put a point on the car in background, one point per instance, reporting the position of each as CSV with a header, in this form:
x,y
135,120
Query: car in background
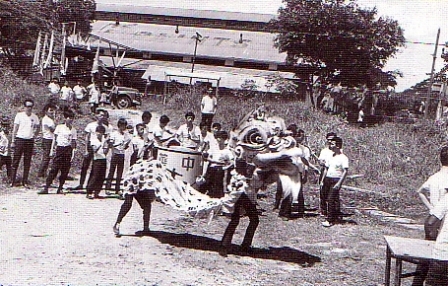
x,y
124,97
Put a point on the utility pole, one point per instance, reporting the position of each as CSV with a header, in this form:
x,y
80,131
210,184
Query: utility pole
x,y
431,81
198,39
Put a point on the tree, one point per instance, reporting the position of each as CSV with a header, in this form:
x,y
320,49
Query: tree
x,y
342,41
21,21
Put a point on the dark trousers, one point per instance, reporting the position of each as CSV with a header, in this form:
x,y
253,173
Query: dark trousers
x,y
207,119
22,147
329,200
61,163
46,149
6,161
86,164
438,273
144,199
97,176
116,163
423,268
286,203
251,211
214,179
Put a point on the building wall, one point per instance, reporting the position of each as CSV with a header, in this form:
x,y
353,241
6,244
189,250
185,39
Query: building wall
x,y
181,21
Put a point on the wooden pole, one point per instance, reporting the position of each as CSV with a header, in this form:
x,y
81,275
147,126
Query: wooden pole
x,y
431,81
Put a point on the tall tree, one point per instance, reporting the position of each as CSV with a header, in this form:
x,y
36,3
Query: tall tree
x,y
21,20
341,40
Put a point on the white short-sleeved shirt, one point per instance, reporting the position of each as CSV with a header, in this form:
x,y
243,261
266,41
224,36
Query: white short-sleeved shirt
x,y
184,133
138,143
66,93
440,250
325,154
222,156
161,134
98,149
54,88
336,165
79,91
94,95
437,185
4,144
210,140
208,104
119,140
91,129
47,123
65,135
26,125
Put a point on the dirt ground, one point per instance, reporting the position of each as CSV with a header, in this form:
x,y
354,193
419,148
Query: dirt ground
x,y
68,240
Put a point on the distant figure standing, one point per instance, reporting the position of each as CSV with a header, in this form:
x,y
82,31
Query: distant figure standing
x,y
54,89
209,105
94,97
66,96
47,127
80,94
26,127
5,154
361,116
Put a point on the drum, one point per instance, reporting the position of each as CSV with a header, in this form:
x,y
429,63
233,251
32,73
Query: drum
x,y
183,163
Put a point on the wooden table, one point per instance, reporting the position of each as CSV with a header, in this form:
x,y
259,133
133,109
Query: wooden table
x,y
405,249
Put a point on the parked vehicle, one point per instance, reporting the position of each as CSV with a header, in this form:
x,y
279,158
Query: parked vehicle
x,y
124,97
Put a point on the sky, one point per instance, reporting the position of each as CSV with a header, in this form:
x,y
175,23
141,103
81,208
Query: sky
x,y
420,20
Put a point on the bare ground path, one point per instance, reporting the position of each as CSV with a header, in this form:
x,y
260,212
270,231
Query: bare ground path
x,y
68,240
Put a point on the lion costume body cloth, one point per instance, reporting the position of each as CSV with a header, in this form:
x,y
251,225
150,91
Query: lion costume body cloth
x,y
152,176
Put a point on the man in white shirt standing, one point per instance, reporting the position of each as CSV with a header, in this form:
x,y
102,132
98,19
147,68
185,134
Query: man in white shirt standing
x,y
26,127
54,88
336,169
66,96
47,128
80,94
209,105
436,187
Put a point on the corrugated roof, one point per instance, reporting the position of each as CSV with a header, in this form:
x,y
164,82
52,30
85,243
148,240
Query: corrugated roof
x,y
230,77
215,43
176,12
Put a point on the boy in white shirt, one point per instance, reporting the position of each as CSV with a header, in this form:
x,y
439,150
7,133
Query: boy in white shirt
x,y
336,168
140,145
47,128
5,154
161,133
97,175
65,142
219,161
209,104
119,142
189,134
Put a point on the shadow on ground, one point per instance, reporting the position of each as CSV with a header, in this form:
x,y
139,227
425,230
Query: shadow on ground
x,y
192,241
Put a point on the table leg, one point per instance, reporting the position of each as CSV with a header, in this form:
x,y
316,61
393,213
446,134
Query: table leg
x,y
388,262
398,268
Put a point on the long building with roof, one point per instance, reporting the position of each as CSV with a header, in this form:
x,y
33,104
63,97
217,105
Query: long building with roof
x,y
158,41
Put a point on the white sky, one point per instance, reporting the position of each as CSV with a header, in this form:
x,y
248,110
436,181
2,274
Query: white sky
x,y
420,20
